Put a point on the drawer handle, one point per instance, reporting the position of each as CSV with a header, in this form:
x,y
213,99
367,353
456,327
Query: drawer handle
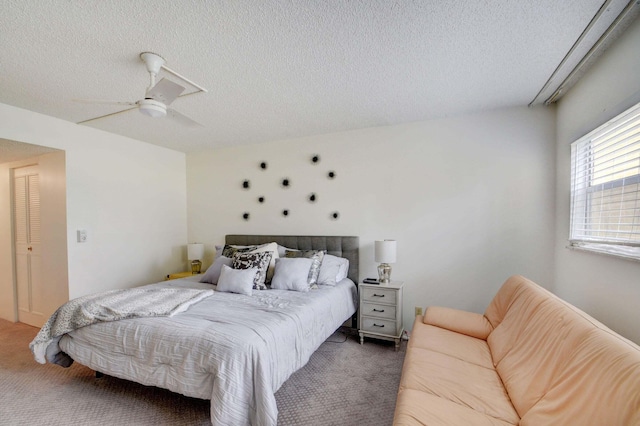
x,y
378,310
378,325
378,295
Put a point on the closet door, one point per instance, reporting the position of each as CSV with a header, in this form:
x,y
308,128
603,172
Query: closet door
x,y
28,252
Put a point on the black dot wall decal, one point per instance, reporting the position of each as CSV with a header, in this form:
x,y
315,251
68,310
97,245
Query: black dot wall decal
x,y
286,182
335,215
285,213
312,197
263,165
246,184
245,216
315,159
331,174
261,199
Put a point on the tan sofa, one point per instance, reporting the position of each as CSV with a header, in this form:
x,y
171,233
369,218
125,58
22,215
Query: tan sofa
x,y
531,359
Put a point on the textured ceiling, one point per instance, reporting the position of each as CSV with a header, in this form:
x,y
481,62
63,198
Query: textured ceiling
x,y
282,69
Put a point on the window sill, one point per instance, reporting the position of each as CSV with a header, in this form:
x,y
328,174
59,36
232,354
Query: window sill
x,y
621,252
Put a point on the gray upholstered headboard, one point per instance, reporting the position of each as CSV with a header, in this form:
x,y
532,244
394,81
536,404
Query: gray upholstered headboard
x,y
347,247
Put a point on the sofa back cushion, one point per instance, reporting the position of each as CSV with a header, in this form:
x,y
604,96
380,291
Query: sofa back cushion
x,y
598,385
538,338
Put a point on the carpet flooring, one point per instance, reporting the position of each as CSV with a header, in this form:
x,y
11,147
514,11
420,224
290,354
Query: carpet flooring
x,y
343,383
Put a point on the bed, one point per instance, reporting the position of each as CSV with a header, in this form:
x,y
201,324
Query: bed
x,y
233,349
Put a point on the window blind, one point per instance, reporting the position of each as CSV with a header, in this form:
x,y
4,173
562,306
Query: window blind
x,y
605,187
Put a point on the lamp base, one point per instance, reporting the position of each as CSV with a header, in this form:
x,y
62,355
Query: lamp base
x,y
196,265
384,273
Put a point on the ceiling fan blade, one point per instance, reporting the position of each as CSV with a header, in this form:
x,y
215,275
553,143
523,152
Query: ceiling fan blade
x,y
108,115
181,118
101,101
165,91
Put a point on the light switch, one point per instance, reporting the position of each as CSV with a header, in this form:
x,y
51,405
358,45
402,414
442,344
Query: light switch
x,y
82,236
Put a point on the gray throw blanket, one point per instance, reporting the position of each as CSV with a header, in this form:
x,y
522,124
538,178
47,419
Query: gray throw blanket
x,y
111,305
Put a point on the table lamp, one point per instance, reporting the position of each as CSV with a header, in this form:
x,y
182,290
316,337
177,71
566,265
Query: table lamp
x,y
385,254
195,252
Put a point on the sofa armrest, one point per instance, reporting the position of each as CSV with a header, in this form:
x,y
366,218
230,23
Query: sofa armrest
x,y
469,323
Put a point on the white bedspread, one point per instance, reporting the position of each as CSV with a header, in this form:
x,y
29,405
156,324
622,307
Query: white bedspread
x,y
233,349
109,306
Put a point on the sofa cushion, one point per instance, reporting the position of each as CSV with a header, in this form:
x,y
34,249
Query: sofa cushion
x,y
457,381
469,323
461,346
456,368
415,408
598,385
533,342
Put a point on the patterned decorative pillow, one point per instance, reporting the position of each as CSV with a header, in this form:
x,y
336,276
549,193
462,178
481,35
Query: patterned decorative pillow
x,y
254,260
316,256
273,248
229,250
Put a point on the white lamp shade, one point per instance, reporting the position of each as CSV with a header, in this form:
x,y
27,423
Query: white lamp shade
x,y
195,251
385,251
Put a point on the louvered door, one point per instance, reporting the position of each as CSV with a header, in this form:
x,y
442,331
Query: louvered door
x,y
28,246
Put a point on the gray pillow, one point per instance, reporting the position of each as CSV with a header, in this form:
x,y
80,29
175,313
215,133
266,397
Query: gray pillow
x,y
236,280
213,273
291,274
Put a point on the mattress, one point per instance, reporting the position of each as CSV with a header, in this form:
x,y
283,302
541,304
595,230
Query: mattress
x,y
233,349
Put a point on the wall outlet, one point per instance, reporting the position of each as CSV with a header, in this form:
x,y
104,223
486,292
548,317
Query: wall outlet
x,y
418,310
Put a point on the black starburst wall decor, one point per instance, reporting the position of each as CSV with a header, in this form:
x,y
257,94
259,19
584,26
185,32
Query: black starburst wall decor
x,y
286,183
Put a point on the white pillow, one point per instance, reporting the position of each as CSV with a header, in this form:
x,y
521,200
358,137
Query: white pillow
x,y
236,280
329,270
344,270
213,272
291,274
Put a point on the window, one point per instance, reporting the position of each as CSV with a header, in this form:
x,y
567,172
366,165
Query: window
x,y
605,187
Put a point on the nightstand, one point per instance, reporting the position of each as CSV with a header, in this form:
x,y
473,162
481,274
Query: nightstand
x,y
179,275
380,313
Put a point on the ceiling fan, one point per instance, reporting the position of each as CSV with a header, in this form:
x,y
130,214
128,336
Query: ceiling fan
x,y
158,95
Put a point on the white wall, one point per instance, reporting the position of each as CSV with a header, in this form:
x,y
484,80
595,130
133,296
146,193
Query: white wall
x,y
469,199
607,288
129,195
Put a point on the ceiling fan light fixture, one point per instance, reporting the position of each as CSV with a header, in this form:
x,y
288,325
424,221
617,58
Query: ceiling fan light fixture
x,y
152,108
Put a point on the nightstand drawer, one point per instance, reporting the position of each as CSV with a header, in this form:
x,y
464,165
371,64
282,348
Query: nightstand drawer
x,y
379,325
379,295
378,311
